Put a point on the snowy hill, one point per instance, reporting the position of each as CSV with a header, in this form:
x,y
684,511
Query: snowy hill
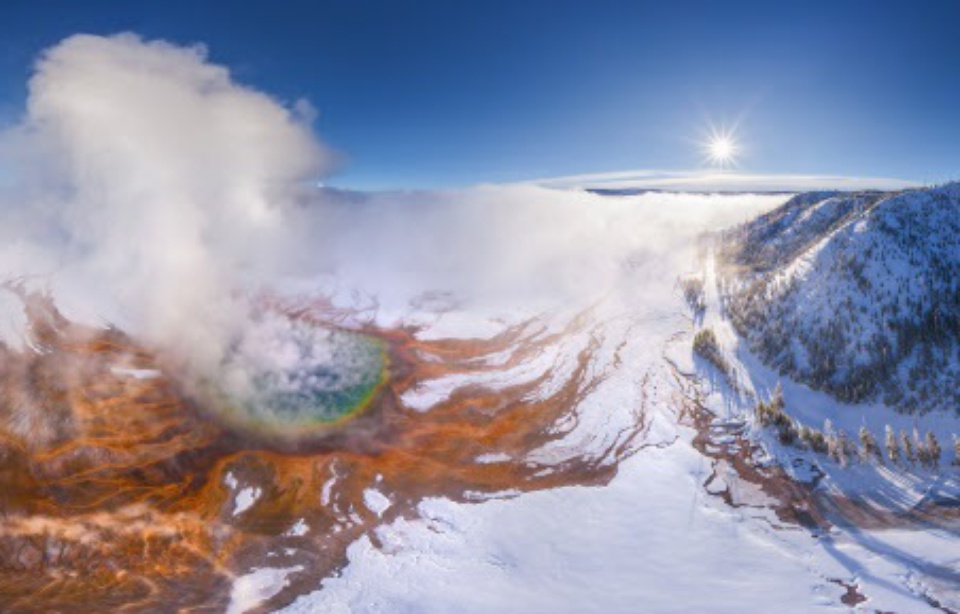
x,y
856,294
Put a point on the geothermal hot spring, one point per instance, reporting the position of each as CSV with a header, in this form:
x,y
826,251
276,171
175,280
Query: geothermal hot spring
x,y
298,378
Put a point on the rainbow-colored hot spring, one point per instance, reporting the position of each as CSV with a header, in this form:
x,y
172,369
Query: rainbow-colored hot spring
x,y
294,378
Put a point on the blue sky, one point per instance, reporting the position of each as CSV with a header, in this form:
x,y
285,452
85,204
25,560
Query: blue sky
x,y
427,94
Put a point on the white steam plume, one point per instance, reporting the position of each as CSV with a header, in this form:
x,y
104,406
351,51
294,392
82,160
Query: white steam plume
x,y
153,186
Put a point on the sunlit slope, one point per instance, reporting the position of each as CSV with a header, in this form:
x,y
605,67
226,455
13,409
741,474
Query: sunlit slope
x,y
856,294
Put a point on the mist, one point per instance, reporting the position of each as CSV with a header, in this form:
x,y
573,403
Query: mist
x,y
523,244
146,189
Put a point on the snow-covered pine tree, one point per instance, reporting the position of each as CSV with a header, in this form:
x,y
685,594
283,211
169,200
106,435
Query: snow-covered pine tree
x,y
893,448
918,444
908,454
842,448
933,450
868,446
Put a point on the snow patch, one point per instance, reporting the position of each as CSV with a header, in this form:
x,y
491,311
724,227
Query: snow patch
x,y
376,501
246,498
299,529
254,588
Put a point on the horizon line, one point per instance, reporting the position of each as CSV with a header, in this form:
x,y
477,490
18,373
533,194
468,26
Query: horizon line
x,y
717,180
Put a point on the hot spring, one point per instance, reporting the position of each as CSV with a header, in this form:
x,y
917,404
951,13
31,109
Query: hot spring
x,y
293,378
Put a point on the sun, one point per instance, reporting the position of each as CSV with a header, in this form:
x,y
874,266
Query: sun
x,y
721,149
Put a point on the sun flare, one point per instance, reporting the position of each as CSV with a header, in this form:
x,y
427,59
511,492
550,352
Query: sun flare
x,y
721,149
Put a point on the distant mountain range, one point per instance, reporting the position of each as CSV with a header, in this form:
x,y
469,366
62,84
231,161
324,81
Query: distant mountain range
x,y
856,294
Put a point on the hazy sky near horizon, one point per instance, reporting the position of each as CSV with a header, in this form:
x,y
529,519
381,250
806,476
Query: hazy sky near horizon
x,y
428,94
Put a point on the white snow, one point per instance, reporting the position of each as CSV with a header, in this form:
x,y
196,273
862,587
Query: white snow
x,y
250,590
492,457
651,542
895,568
299,529
376,501
136,373
245,499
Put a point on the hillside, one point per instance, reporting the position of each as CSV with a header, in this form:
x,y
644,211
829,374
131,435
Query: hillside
x,y
856,294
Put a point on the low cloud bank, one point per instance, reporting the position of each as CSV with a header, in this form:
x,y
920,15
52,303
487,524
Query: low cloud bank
x,y
505,245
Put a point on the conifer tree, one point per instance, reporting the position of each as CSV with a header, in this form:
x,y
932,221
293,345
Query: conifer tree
x,y
893,449
777,399
920,448
933,450
908,454
868,446
841,446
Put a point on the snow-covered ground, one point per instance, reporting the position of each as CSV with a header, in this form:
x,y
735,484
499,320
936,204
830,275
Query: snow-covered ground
x,y
651,539
900,564
654,539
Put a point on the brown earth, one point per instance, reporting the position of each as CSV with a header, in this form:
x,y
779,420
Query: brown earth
x,y
113,490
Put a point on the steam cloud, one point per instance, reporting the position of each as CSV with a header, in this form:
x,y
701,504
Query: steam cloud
x,y
152,187
146,188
